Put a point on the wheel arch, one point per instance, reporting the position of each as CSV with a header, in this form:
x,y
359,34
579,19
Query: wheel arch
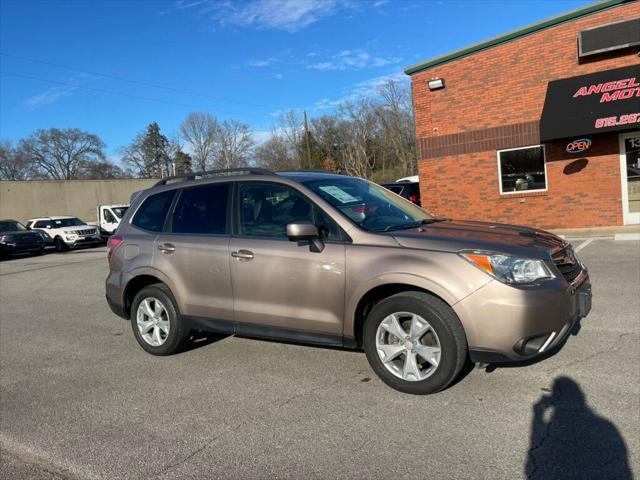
x,y
374,295
136,284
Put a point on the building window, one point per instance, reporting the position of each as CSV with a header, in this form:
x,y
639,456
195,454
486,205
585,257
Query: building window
x,y
522,170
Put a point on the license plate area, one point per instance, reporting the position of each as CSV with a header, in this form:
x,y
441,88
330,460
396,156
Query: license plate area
x,y
584,299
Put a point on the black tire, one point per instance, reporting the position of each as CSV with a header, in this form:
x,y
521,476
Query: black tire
x,y
442,319
60,245
178,332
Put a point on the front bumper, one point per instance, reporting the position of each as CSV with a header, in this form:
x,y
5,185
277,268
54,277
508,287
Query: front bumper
x,y
15,248
507,324
85,241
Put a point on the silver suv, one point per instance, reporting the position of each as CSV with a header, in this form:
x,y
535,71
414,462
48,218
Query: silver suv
x,y
321,258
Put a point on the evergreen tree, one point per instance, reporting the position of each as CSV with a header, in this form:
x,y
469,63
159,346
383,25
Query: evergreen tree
x,y
155,149
182,163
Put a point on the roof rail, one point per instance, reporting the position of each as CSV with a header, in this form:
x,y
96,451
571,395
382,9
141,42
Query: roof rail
x,y
213,173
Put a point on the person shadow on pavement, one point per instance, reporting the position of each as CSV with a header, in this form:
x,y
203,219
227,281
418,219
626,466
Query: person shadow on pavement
x,y
569,441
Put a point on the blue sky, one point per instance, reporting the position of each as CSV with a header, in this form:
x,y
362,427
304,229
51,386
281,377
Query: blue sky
x,y
242,59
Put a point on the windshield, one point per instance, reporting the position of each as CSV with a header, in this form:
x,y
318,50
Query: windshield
x,y
368,205
119,211
11,226
67,222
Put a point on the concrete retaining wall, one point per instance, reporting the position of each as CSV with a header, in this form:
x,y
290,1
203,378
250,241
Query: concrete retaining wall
x,y
79,198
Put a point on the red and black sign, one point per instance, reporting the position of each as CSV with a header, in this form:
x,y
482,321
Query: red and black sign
x,y
600,102
579,145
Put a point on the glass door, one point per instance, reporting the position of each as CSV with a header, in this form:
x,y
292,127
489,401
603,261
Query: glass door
x,y
630,170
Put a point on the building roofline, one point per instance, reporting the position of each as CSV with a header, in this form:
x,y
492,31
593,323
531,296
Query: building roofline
x,y
515,34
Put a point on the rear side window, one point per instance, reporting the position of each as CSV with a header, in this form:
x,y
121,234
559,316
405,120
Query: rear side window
x,y
202,210
43,224
152,213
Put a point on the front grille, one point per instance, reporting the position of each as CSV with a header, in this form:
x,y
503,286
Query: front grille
x,y
85,232
568,265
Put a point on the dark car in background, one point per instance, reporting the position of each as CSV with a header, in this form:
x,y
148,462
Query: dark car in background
x,y
15,238
408,190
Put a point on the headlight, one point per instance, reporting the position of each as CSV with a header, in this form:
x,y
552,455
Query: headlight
x,y
510,269
71,237
3,239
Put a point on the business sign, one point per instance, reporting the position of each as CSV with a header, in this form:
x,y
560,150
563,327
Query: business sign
x,y
579,145
606,101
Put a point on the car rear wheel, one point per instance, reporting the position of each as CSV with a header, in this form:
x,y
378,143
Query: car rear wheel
x,y
156,322
415,342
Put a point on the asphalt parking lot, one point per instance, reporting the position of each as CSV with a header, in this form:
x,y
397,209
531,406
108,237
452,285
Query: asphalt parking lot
x,y
80,399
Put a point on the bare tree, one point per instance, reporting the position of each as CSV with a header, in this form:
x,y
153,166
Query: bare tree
x,y
134,158
101,171
199,129
398,129
62,153
275,154
13,164
361,128
234,144
291,129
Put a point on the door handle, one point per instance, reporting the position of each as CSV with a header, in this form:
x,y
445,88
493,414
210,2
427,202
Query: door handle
x,y
166,248
242,255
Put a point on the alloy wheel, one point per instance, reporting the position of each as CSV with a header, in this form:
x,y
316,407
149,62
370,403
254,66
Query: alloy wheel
x,y
153,321
408,346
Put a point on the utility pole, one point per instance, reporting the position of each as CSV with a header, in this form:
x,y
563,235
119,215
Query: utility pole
x,y
306,137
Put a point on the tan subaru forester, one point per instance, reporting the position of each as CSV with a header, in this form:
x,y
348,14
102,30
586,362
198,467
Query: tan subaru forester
x,y
321,258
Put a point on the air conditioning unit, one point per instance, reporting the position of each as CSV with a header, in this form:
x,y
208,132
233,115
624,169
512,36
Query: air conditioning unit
x,y
610,37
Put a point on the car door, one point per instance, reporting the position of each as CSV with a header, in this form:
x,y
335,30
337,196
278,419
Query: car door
x,y
281,288
193,251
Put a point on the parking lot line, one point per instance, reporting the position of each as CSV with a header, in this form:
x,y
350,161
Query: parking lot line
x,y
584,244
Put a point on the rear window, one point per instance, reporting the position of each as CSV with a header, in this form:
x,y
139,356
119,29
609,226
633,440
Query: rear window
x,y
202,210
152,213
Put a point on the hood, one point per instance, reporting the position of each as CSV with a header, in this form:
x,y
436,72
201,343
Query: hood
x,y
455,235
20,234
76,228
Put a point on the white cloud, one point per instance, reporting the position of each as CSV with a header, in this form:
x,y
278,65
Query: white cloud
x,y
354,60
55,93
260,63
365,88
287,15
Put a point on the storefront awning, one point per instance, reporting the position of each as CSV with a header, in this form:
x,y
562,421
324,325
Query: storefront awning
x,y
606,101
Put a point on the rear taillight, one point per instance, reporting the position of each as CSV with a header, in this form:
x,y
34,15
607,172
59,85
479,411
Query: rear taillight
x,y
413,198
113,243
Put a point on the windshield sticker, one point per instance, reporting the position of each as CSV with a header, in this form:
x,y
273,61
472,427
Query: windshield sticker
x,y
339,194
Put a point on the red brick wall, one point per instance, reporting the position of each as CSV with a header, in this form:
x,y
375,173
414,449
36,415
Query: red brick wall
x,y
506,85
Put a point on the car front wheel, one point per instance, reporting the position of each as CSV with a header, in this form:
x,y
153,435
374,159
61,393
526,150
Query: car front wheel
x,y
60,245
415,342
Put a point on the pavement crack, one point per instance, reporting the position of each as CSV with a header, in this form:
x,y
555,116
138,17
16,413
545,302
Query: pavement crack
x,y
235,428
537,444
616,345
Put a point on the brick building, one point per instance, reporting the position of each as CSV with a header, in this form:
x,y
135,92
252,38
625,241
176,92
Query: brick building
x,y
540,126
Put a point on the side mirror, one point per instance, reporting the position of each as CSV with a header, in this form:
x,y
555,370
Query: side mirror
x,y
297,232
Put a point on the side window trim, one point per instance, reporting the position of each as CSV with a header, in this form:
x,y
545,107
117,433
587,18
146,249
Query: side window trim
x,y
236,206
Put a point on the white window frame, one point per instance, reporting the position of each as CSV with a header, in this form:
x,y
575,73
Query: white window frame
x,y
521,192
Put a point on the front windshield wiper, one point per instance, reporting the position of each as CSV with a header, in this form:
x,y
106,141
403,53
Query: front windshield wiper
x,y
407,226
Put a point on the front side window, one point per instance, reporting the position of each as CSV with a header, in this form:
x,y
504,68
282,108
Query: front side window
x,y
202,210
152,213
370,206
42,224
267,209
108,217
522,169
119,211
